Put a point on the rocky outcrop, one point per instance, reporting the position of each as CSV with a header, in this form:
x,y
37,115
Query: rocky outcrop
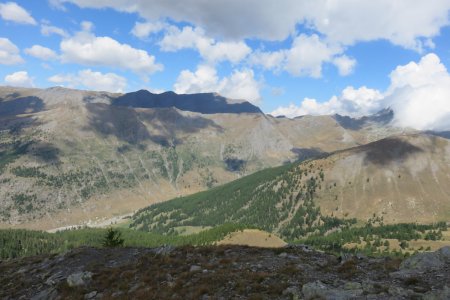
x,y
224,272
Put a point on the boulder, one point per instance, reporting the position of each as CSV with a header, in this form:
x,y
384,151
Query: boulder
x,y
319,290
427,261
79,279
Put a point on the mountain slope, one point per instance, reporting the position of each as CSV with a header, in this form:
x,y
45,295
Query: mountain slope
x,y
70,157
397,179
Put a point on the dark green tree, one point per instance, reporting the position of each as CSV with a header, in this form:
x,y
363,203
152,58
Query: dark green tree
x,y
113,238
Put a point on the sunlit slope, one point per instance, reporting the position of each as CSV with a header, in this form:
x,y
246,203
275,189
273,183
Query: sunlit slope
x,y
398,179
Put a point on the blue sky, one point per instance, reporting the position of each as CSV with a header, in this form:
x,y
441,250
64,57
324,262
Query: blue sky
x,y
338,55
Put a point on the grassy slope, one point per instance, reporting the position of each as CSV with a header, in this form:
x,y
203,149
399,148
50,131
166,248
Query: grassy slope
x,y
20,242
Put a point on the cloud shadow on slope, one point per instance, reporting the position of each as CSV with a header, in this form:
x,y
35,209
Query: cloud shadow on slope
x,y
389,150
13,112
308,153
128,124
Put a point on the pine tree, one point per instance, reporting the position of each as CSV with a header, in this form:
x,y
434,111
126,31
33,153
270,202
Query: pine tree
x,y
113,238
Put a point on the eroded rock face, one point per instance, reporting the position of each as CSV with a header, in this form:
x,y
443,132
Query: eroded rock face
x,y
223,272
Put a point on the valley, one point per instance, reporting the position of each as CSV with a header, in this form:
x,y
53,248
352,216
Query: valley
x,y
71,157
74,159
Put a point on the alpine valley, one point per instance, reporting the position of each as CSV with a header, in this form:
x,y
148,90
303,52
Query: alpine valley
x,y
72,157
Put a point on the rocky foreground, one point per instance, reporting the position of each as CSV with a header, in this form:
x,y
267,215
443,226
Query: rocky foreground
x,y
224,272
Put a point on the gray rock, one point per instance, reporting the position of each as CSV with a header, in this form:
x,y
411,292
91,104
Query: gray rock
x,y
352,285
293,292
79,279
46,294
195,268
444,252
90,295
443,294
370,287
399,292
427,261
163,250
319,290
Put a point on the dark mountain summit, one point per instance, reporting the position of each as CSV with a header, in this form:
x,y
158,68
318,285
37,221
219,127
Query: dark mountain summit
x,y
383,117
205,103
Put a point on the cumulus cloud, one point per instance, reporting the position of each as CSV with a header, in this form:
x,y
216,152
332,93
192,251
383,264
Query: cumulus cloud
x,y
352,102
48,30
20,78
419,94
9,53
143,30
344,22
11,11
41,52
305,57
241,84
91,80
211,50
344,64
87,49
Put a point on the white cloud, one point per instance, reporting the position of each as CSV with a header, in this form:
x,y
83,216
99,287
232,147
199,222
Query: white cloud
x,y
87,49
305,57
41,52
419,94
344,64
11,11
401,22
92,80
47,30
20,78
143,30
9,53
211,50
352,102
239,85
269,60
343,22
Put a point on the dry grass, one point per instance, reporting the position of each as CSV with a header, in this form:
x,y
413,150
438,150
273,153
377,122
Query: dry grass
x,y
253,238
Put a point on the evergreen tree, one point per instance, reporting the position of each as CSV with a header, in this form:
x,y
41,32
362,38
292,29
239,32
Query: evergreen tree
x,y
113,238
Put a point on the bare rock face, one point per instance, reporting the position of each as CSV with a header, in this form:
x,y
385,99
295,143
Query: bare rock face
x,y
223,272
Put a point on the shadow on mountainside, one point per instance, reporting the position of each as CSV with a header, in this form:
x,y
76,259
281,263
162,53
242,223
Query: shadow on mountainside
x,y
19,106
128,124
389,150
45,152
442,134
383,117
205,103
308,153
13,110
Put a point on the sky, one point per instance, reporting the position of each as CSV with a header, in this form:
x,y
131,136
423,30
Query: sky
x,y
289,57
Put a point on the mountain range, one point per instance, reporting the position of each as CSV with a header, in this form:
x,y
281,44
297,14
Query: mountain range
x,y
73,157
